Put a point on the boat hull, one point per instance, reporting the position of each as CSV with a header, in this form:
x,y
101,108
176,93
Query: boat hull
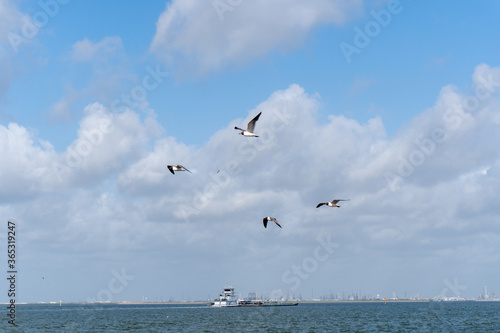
x,y
241,303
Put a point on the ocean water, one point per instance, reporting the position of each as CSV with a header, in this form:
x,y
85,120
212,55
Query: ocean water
x,y
325,317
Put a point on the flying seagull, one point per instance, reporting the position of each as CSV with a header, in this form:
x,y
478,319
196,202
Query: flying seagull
x,y
177,167
332,203
250,127
267,219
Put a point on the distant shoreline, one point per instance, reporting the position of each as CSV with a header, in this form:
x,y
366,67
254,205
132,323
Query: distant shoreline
x,y
300,302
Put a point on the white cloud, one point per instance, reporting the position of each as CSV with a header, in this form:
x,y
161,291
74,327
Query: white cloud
x,y
106,143
201,36
25,163
120,198
86,50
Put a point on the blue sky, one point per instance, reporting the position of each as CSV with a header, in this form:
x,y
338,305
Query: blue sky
x,y
332,126
387,71
418,51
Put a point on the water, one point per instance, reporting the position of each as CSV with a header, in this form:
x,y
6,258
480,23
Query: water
x,y
326,317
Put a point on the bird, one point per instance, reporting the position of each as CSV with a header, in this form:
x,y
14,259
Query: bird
x,y
250,127
267,219
332,203
177,167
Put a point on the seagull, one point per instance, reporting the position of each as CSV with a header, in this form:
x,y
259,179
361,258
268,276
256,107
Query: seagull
x,y
250,127
267,219
332,203
177,167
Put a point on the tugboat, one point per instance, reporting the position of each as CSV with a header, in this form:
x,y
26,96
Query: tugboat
x,y
228,298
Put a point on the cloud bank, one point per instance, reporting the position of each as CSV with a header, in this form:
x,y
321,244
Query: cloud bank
x,y
422,199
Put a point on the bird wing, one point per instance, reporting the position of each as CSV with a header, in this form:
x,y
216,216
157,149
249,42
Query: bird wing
x,y
337,200
171,169
265,222
184,168
275,221
251,124
321,204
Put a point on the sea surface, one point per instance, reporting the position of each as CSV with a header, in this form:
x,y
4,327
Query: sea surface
x,y
324,317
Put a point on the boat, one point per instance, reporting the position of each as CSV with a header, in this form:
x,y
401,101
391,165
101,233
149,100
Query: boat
x,y
228,299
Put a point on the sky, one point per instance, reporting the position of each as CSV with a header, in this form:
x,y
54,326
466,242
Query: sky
x,y
394,105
